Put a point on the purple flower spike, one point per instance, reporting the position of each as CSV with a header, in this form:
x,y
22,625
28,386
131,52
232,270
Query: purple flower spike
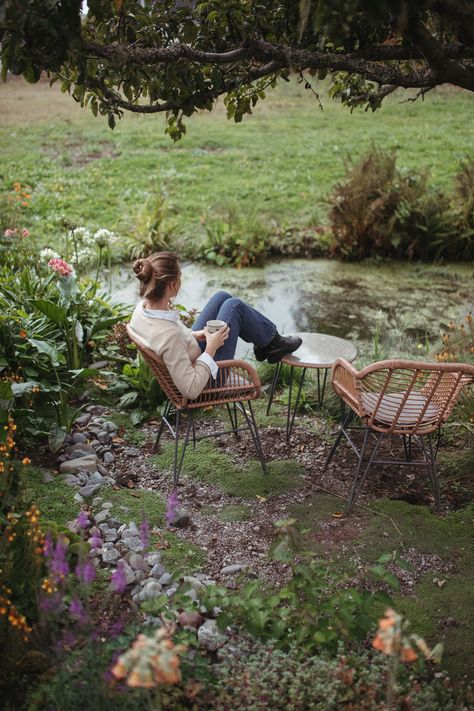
x,y
86,572
58,562
118,579
145,533
83,520
76,608
48,545
172,510
95,542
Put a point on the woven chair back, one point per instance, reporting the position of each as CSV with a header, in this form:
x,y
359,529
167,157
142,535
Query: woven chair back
x,y
413,397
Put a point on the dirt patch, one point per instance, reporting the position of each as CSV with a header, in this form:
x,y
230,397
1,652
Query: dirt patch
x,y
75,152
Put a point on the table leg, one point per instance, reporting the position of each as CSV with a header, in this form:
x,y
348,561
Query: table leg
x,y
290,417
322,388
276,376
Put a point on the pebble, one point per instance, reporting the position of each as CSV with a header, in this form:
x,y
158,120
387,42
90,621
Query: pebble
x,y
109,458
210,637
79,438
89,490
133,544
97,501
190,619
103,437
86,463
80,450
125,509
110,427
95,531
101,516
150,591
110,556
193,582
71,480
103,470
132,452
165,579
171,590
96,478
182,519
83,420
137,562
111,535
158,570
153,558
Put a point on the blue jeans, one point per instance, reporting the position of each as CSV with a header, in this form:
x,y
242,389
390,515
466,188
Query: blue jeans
x,y
244,321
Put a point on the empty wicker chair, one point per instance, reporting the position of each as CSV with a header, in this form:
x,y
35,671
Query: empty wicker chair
x,y
397,397
237,384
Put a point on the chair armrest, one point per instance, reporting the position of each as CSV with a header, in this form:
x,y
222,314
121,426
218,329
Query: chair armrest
x,y
235,380
235,365
345,382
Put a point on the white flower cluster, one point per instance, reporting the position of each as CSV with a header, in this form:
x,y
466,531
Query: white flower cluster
x,y
104,238
84,256
47,254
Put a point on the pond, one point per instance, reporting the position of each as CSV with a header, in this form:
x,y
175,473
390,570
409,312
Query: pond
x,y
403,305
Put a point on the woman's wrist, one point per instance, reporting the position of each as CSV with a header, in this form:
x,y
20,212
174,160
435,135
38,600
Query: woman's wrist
x,y
210,351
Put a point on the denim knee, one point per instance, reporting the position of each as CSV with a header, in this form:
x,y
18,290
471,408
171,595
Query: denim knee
x,y
224,295
232,303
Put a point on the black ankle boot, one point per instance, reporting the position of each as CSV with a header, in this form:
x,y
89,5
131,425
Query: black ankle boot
x,y
278,347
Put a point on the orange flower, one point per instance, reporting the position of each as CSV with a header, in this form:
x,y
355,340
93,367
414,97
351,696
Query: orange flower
x,y
23,333
26,460
407,654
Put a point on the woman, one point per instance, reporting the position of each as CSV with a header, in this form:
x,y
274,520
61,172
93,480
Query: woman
x,y
190,355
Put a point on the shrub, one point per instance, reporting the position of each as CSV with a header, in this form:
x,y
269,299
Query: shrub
x,y
378,209
152,228
235,239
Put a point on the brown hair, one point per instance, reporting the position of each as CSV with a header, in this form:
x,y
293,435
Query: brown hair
x,y
155,272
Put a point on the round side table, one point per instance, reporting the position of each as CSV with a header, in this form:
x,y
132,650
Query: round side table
x,y
318,351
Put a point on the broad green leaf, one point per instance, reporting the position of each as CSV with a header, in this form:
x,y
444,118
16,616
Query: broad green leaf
x,y
52,311
48,349
56,437
106,324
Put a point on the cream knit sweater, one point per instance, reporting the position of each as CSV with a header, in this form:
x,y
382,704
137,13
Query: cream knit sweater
x,y
178,348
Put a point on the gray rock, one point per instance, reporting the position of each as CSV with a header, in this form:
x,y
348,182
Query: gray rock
x,y
103,437
124,509
129,573
96,409
150,591
192,594
107,505
166,579
83,420
232,569
47,477
80,450
90,542
89,490
190,619
210,637
103,470
133,526
140,575
193,582
67,439
86,463
71,480
132,452
109,480
158,570
110,555
82,477
101,516
111,535
171,590
130,533
110,427
137,562
95,531
96,478
113,521
153,558
79,438
133,544
109,458
97,501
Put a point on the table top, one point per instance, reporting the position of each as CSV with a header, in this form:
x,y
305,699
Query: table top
x,y
319,350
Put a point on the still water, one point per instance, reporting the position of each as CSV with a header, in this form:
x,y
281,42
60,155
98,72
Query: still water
x,y
353,301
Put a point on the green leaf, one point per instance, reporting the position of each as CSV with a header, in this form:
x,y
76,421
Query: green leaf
x,y
106,324
47,349
56,437
6,390
52,311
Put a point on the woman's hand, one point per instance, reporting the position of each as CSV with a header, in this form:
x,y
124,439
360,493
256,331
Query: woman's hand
x,y
216,340
199,335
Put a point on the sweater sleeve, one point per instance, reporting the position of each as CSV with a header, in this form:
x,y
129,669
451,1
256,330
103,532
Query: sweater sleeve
x,y
190,378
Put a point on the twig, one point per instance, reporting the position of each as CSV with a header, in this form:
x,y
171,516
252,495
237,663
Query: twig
x,y
421,93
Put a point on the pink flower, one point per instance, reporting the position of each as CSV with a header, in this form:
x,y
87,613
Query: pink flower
x,y
83,520
25,232
60,266
86,572
145,533
9,232
118,580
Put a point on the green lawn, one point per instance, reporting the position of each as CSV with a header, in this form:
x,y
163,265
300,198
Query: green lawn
x,y
279,163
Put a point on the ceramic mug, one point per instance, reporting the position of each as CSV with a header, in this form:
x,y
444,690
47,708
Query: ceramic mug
x,y
214,326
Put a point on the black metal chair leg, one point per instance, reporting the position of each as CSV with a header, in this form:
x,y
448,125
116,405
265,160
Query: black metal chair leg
x,y
345,422
355,493
252,425
233,420
276,376
162,425
178,467
359,467
176,443
434,476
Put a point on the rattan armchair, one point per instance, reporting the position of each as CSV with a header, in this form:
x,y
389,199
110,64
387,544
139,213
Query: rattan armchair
x,y
236,385
397,397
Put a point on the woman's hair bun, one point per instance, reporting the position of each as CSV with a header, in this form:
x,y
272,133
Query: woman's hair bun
x,y
143,269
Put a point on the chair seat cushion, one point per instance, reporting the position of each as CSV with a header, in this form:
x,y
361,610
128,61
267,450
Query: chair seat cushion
x,y
388,407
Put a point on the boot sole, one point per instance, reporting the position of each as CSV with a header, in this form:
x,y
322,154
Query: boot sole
x,y
276,358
